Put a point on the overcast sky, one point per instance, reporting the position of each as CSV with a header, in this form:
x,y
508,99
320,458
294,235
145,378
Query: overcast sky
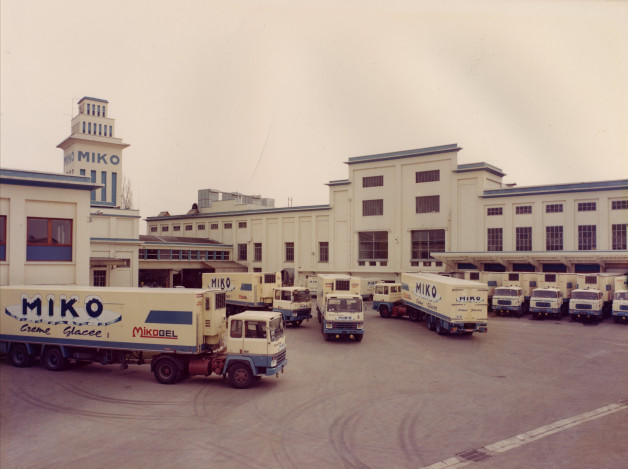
x,y
272,97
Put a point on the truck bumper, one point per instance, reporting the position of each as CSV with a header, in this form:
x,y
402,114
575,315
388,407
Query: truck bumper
x,y
277,369
620,316
297,316
336,328
468,328
545,312
585,314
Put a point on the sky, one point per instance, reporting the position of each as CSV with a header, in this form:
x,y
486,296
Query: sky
x,y
273,97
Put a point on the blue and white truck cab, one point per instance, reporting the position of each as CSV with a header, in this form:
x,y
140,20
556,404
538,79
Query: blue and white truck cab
x,y
294,303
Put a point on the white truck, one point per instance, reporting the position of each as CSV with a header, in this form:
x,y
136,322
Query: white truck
x,y
181,332
245,290
340,307
551,297
385,297
513,296
620,300
491,279
448,304
294,303
593,297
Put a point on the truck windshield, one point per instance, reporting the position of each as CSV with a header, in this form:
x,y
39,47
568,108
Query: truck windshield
x,y
506,292
344,305
300,296
584,295
276,328
544,294
621,295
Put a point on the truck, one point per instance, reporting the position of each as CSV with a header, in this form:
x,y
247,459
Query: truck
x,y
449,305
294,303
180,332
245,290
367,286
620,300
513,296
385,297
551,297
491,279
593,297
339,307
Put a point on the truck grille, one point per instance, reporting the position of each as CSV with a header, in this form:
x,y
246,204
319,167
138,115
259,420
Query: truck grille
x,y
583,306
623,307
543,304
504,302
282,356
353,326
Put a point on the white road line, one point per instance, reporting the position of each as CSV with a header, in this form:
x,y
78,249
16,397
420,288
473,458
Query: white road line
x,y
531,436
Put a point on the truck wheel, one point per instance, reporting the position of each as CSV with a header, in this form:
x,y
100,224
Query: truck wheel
x,y
166,371
430,323
19,357
54,360
439,327
240,376
384,311
414,315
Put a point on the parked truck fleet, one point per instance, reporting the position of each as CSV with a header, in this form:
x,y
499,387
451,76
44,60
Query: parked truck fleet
x,y
180,332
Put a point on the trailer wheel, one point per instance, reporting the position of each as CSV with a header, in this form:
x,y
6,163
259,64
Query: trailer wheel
x,y
19,357
431,325
166,371
240,376
413,315
384,311
439,327
54,360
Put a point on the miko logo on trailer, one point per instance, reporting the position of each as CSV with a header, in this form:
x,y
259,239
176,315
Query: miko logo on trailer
x,y
221,283
427,292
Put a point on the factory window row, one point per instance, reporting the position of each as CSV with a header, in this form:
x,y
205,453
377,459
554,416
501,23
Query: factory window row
x,y
103,130
98,110
183,255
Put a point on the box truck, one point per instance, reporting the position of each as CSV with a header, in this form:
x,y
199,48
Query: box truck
x,y
339,307
620,300
448,304
551,297
593,296
245,290
294,303
181,332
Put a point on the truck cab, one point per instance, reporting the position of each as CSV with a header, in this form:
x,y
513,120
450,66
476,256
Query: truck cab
x,y
509,300
547,302
620,306
294,303
586,304
342,315
385,295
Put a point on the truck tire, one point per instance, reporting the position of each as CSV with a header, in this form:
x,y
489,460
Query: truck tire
x,y
413,315
240,376
384,311
19,357
166,371
53,359
439,327
431,323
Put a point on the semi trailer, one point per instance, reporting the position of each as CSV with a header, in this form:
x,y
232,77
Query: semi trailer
x,y
245,290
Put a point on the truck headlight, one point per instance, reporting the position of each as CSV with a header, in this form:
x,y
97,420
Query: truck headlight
x,y
328,325
360,326
273,362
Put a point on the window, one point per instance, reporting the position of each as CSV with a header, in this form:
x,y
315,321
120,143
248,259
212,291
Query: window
x,y
242,251
495,239
48,239
590,280
236,329
523,209
200,226
188,227
257,252
554,238
176,228
494,211
373,181
587,206
323,251
373,245
241,224
553,208
474,275
425,242
619,237
428,176
372,207
523,238
164,228
619,204
227,226
213,226
586,237
255,329
100,278
428,204
289,252
153,229
3,238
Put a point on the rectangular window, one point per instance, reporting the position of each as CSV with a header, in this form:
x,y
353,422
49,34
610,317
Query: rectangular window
x,y
553,238
200,226
257,252
188,227
495,241
373,245
323,251
619,204
213,226
523,238
428,204
372,207
99,129
619,237
3,238
289,252
176,228
164,229
523,209
590,280
494,211
83,126
425,242
242,251
553,208
153,229
227,226
241,224
587,237
372,181
100,278
48,239
428,176
110,131
587,206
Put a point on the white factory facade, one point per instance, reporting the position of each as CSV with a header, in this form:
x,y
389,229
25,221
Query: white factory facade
x,y
396,212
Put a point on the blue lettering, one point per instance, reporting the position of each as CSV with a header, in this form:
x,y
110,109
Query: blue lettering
x,y
68,306
36,304
89,308
115,159
83,155
102,158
